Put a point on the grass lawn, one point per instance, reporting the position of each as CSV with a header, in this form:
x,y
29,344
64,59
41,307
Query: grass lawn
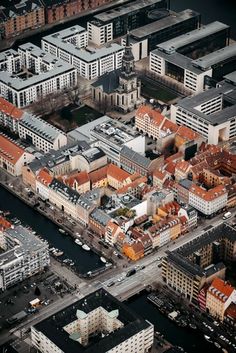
x,y
162,94
84,115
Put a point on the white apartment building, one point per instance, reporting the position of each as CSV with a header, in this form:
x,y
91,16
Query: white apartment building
x,y
24,256
191,77
89,62
68,331
37,75
99,33
112,135
12,156
41,134
211,113
76,35
210,201
10,61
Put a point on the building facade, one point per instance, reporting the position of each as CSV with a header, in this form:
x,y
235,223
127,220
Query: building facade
x,y
89,62
95,313
41,134
12,156
198,263
21,17
46,75
24,256
119,89
211,113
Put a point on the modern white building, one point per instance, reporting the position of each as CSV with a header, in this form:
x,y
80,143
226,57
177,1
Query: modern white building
x,y
100,33
112,135
10,61
182,58
41,134
89,62
100,315
24,256
35,75
211,113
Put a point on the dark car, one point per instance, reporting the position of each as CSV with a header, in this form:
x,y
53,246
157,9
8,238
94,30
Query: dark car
x,y
110,284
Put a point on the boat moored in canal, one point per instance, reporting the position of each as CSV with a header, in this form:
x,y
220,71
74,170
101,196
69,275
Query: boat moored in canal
x,y
103,259
86,247
78,242
62,231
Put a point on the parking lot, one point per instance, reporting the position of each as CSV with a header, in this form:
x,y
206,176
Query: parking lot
x,y
17,298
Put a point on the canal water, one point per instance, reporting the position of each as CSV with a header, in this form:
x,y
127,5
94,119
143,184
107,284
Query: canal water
x,y
87,261
191,340
84,260
211,10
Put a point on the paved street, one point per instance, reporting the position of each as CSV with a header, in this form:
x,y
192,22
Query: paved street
x,y
123,286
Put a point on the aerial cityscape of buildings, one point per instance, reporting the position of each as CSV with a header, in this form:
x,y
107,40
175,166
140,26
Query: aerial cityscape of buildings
x,y
146,183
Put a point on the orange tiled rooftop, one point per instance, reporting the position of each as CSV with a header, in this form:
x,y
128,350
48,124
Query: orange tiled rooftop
x,y
9,150
153,114
220,289
9,109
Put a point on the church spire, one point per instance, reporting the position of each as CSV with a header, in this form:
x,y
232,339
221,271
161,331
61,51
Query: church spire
x,y
128,58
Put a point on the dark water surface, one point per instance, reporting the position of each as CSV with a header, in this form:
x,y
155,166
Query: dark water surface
x,y
211,10
84,260
192,341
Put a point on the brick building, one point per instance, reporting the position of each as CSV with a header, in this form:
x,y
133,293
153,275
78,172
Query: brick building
x,y
20,17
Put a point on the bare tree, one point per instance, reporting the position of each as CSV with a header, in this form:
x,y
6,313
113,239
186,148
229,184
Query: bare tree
x,y
73,94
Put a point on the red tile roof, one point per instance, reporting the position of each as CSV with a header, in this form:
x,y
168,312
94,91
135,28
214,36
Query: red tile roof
x,y
170,168
44,177
9,109
169,126
208,195
183,166
220,289
81,178
4,224
9,150
159,174
98,174
175,157
187,133
133,185
156,117
117,173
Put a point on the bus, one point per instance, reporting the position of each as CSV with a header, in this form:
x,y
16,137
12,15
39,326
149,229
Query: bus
x,y
227,215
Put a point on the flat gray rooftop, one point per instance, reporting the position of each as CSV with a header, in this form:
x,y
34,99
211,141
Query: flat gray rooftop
x,y
190,104
4,54
124,9
68,32
179,60
231,77
82,132
156,26
174,44
38,52
88,54
40,127
215,57
64,34
19,83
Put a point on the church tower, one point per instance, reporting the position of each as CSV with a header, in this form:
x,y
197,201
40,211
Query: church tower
x,y
128,60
